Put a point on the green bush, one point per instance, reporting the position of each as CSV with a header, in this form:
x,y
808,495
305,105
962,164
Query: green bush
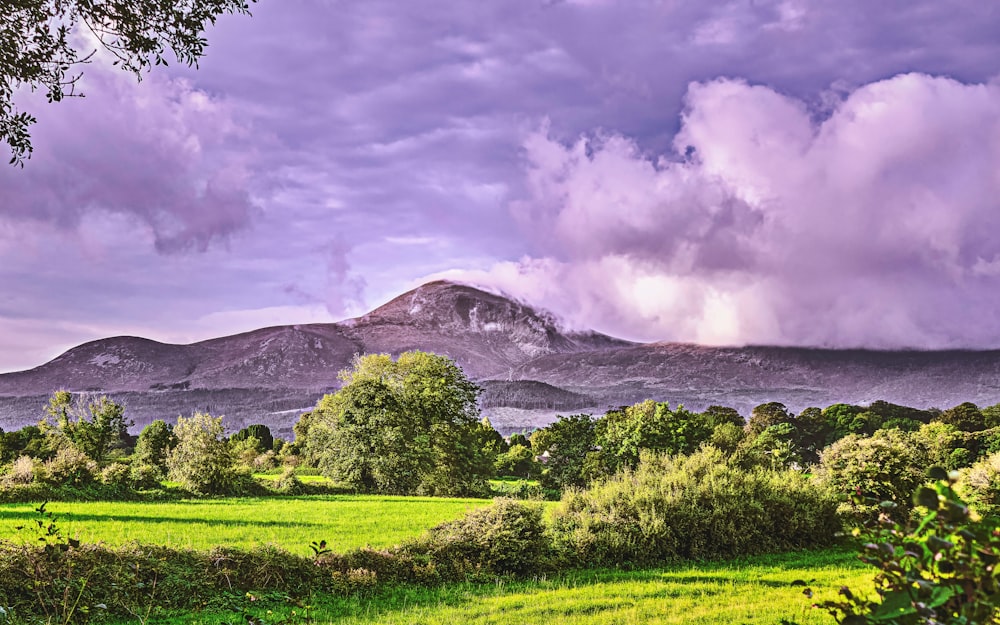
x,y
696,507
115,474
145,476
980,485
940,571
507,538
888,466
201,460
69,466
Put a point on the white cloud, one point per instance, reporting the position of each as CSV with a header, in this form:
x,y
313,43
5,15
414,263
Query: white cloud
x,y
877,226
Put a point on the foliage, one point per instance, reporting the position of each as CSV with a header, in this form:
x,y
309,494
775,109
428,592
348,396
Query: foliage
x,y
70,467
518,461
940,572
94,427
887,466
766,415
28,441
979,485
38,39
701,506
622,434
564,446
965,416
258,431
507,538
155,441
401,426
201,461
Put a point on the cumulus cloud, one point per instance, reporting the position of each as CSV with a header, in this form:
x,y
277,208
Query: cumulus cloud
x,y
163,152
876,224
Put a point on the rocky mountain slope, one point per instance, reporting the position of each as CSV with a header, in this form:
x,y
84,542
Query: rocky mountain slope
x,y
530,368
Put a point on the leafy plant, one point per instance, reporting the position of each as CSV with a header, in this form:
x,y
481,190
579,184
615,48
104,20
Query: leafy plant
x,y
941,572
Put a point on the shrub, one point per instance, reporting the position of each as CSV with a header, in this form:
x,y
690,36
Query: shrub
x,y
507,538
887,466
115,474
22,471
695,507
940,572
201,461
145,475
69,467
980,485
288,484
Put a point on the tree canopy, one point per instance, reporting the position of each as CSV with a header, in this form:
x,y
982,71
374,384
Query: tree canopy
x,y
39,42
408,425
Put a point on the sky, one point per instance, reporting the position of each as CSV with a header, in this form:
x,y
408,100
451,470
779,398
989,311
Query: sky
x,y
722,172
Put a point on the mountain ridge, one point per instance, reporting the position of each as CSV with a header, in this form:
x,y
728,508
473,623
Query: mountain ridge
x,y
531,366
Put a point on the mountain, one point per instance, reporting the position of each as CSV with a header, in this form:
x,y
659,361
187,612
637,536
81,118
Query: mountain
x,y
284,369
530,367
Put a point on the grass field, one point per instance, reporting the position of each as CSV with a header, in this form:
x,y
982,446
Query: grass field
x,y
344,521
753,591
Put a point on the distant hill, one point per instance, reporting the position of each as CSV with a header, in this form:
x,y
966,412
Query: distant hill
x,y
529,366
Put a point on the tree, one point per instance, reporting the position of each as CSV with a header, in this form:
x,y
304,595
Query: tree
x,y
38,39
155,442
887,466
622,434
258,431
965,416
94,428
565,446
766,415
201,461
405,425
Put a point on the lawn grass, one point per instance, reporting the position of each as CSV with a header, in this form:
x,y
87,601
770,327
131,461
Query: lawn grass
x,y
344,521
751,591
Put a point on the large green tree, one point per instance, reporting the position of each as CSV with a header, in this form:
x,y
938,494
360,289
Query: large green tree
x,y
40,46
406,425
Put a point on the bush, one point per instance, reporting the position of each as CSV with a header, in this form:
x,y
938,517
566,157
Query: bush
x,y
115,474
980,485
288,484
201,461
939,572
697,507
145,475
22,471
507,538
888,466
69,467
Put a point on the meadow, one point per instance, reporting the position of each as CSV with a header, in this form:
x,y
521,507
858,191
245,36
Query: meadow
x,y
345,521
749,591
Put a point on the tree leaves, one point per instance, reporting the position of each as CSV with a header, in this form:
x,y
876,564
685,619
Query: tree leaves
x,y
36,53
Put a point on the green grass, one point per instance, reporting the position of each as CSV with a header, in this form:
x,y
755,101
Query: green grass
x,y
305,479
753,591
344,521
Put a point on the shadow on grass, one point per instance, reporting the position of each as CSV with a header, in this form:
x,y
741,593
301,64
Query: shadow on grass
x,y
68,517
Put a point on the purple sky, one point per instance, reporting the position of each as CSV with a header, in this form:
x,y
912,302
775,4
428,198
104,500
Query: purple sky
x,y
793,172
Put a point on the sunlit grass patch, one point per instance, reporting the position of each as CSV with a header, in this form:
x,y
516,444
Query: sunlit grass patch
x,y
344,521
752,591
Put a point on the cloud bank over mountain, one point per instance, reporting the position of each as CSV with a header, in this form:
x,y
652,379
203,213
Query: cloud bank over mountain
x,y
872,223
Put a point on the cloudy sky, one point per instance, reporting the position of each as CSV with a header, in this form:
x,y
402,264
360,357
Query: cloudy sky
x,y
725,172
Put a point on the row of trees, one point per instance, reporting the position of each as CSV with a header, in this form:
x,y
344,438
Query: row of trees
x,y
412,426
80,442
